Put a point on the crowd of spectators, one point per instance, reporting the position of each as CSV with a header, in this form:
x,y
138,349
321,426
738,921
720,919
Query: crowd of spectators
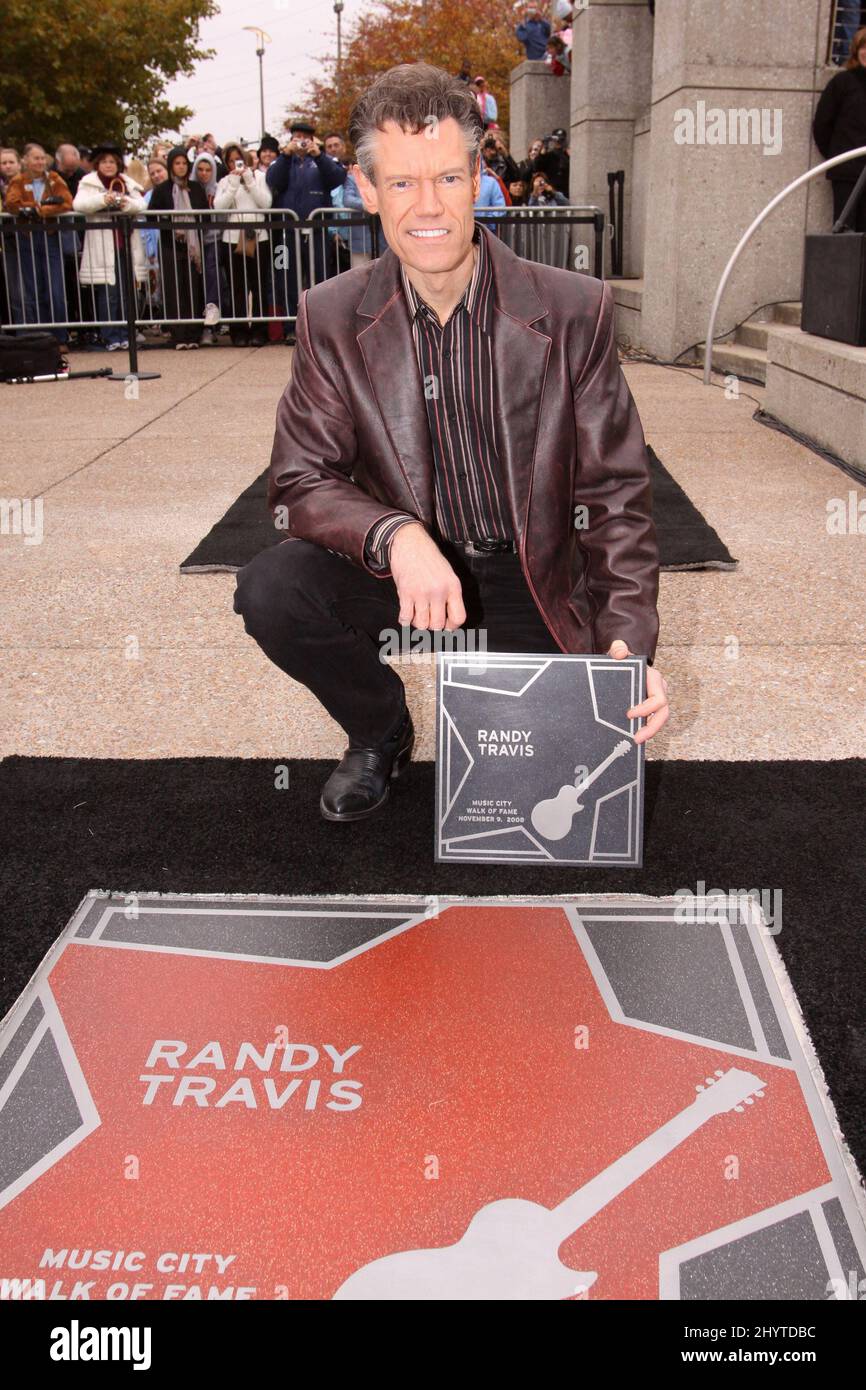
x,y
189,272
240,263
192,273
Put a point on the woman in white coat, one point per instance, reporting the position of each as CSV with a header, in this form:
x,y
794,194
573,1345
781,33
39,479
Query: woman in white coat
x,y
245,195
109,190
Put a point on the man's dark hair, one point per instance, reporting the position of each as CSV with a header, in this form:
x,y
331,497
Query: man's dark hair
x,y
415,96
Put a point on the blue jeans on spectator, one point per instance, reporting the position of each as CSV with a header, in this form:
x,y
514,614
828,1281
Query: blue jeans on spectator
x,y
213,275
35,281
108,306
110,303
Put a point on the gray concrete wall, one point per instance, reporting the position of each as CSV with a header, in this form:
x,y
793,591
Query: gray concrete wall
x,y
635,227
729,54
539,104
610,91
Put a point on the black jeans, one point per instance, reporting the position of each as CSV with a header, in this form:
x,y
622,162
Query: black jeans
x,y
321,619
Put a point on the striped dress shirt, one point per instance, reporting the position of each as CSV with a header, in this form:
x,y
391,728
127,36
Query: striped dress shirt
x,y
456,366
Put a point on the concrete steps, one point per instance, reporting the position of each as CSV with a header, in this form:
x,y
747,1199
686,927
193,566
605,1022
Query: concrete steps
x,y
744,353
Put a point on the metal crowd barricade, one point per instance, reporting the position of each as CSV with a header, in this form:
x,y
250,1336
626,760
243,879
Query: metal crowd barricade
x,y
845,19
163,269
551,235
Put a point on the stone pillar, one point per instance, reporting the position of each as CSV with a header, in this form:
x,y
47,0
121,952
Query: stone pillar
x,y
539,104
747,74
610,91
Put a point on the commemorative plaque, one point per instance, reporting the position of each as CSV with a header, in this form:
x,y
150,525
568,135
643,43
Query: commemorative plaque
x,y
536,760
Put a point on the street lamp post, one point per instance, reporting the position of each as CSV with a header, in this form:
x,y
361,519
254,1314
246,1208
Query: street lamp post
x,y
263,38
338,11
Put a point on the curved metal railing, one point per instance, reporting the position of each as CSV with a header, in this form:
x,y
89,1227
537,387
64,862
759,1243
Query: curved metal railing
x,y
859,152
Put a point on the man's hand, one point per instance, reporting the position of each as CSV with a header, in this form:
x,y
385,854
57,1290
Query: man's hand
x,y
654,709
430,593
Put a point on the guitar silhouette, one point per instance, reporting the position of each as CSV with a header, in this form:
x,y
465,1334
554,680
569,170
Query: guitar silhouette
x,y
553,818
510,1247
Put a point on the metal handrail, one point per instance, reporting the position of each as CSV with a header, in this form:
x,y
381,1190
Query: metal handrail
x,y
859,153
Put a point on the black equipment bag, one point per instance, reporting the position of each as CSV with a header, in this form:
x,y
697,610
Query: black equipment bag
x,y
834,278
29,354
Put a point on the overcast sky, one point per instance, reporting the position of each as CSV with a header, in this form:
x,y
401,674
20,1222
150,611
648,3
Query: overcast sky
x,y
224,91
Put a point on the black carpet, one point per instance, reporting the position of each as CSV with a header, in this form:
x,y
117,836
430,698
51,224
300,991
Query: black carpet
x,y
214,825
686,540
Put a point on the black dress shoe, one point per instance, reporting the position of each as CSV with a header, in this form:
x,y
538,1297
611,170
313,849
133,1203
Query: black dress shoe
x,y
361,781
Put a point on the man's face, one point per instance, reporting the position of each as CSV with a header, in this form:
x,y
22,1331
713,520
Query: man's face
x,y
424,194
300,137
266,157
335,147
9,165
67,158
36,162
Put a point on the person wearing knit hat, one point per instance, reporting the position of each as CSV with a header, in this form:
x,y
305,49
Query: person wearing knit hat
x,y
269,148
181,247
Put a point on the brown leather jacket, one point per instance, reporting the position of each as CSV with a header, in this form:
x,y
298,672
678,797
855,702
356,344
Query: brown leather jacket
x,y
352,440
19,195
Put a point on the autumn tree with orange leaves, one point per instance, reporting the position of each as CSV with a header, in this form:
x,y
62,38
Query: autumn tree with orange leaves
x,y
443,32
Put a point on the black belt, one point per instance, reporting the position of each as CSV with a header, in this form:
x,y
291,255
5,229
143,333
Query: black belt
x,y
485,547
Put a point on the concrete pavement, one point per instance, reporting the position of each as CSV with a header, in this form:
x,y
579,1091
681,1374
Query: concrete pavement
x,y
109,651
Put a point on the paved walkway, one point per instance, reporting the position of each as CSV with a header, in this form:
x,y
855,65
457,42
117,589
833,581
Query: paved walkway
x,y
109,651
